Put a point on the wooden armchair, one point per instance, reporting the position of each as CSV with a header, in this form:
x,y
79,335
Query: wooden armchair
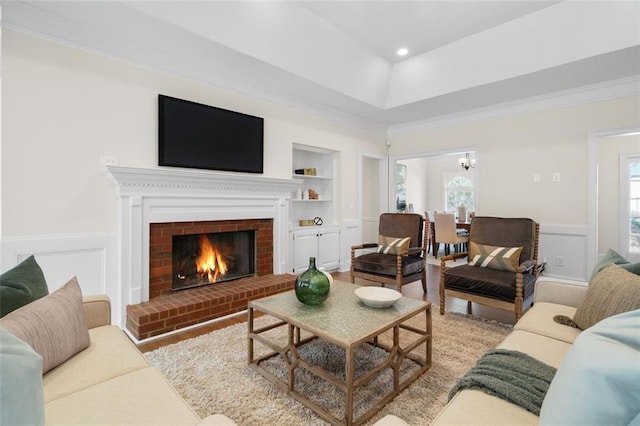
x,y
400,252
500,278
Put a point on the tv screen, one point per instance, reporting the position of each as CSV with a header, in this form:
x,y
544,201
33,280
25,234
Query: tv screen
x,y
205,137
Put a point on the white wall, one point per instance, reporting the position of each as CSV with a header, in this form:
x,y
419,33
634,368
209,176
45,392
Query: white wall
x,y
65,108
510,150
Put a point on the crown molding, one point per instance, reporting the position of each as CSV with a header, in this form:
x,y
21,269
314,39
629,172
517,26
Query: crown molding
x,y
601,92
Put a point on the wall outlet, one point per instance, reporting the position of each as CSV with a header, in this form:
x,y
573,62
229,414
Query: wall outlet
x,y
557,177
560,261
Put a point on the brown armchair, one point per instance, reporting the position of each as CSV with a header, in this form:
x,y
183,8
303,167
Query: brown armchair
x,y
491,284
394,267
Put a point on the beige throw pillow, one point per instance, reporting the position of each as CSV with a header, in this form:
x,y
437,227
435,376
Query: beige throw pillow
x,y
613,291
392,245
54,326
493,257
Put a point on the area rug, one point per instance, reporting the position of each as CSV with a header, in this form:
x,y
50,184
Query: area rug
x,y
211,373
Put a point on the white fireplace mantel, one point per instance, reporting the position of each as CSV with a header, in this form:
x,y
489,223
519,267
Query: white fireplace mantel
x,y
166,195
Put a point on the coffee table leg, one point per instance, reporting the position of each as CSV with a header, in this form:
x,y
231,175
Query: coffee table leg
x,y
348,407
250,330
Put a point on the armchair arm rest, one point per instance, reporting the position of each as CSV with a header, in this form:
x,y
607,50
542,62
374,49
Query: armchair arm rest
x,y
526,266
364,246
415,250
453,256
97,310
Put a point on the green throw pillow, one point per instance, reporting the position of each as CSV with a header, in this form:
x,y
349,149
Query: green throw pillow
x,y
21,285
612,291
615,258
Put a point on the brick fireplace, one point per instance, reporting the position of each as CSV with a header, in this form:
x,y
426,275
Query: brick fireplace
x,y
150,199
161,237
168,309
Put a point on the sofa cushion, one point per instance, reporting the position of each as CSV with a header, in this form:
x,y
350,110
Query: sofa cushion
x,y
20,382
470,407
392,245
500,258
21,285
110,354
140,397
599,380
539,319
549,351
54,325
613,291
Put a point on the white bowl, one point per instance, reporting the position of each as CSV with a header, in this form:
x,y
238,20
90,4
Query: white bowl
x,y
377,297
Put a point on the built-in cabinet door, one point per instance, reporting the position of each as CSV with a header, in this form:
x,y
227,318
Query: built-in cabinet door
x,y
329,248
321,243
305,245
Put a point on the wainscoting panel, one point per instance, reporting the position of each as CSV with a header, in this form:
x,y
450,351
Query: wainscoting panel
x,y
93,259
565,249
351,235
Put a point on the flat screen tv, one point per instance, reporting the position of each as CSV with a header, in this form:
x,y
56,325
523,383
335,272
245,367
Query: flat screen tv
x,y
200,136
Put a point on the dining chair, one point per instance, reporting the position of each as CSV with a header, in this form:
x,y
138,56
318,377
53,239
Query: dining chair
x,y
446,232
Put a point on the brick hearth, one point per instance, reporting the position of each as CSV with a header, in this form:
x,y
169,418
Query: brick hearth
x,y
181,309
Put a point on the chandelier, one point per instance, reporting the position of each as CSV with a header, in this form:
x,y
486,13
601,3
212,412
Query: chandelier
x,y
466,162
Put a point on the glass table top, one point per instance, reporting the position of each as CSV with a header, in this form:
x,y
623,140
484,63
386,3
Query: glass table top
x,y
342,318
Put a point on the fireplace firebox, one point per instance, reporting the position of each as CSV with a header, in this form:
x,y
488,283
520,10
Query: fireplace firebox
x,y
248,254
206,258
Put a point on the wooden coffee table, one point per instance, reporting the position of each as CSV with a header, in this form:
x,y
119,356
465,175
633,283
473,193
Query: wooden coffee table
x,y
344,321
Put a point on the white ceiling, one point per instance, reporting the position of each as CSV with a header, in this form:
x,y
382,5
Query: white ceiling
x,y
337,58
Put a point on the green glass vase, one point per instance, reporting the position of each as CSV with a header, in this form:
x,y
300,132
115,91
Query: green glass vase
x,y
312,286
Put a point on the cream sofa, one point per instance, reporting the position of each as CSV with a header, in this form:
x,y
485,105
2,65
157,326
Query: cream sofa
x,y
536,334
110,382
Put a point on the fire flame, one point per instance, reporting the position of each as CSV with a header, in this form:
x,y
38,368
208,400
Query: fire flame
x,y
210,261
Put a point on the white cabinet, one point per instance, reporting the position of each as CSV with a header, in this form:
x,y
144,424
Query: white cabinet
x,y
323,243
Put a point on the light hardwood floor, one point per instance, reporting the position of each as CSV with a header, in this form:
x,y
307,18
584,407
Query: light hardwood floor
x,y
410,290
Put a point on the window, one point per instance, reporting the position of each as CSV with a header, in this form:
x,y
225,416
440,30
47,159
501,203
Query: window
x,y
630,207
459,189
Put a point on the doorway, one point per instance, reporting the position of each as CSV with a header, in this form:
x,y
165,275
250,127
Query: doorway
x,y
610,212
431,181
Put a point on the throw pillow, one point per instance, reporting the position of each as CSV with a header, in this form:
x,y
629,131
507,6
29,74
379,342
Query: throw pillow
x,y
392,245
598,381
500,258
54,325
20,285
21,392
613,257
613,291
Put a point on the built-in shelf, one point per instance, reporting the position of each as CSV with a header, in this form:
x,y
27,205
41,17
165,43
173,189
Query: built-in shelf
x,y
311,177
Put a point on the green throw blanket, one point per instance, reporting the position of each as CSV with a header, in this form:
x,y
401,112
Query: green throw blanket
x,y
511,375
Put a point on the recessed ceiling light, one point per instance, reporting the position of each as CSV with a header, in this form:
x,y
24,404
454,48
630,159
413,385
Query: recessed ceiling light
x,y
402,51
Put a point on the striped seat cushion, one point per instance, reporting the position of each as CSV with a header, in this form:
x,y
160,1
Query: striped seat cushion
x,y
500,258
